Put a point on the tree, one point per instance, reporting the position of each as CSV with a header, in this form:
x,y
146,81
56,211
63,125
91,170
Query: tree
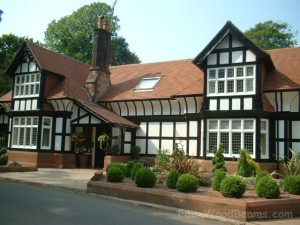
x,y
9,45
72,35
271,35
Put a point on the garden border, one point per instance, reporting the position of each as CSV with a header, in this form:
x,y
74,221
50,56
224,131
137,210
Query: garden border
x,y
227,207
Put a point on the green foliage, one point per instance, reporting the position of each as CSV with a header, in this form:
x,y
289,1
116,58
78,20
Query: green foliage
x,y
218,176
162,160
292,184
268,188
71,35
104,142
121,166
172,179
218,159
135,153
134,169
3,151
232,187
246,167
145,178
292,166
129,166
3,160
260,175
187,183
115,174
271,35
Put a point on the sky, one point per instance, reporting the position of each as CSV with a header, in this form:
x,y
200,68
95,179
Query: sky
x,y
156,30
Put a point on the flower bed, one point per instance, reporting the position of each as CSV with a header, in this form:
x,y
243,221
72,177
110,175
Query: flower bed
x,y
204,200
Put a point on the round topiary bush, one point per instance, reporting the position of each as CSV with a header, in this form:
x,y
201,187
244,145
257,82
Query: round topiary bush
x,y
3,151
145,178
172,179
114,175
266,187
218,176
292,184
129,166
134,169
260,175
187,183
3,160
232,187
121,166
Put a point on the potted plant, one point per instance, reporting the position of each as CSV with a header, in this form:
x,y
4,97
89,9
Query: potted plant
x,y
82,149
104,142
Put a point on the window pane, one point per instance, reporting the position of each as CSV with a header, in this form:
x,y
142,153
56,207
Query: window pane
x,y
27,136
263,144
148,83
212,87
225,125
225,142
248,124
221,87
212,141
15,140
28,121
248,138
230,86
236,143
37,89
221,73
47,121
213,124
263,125
32,89
236,125
249,71
249,85
230,72
240,72
46,137
22,121
34,136
35,121
21,141
240,85
212,74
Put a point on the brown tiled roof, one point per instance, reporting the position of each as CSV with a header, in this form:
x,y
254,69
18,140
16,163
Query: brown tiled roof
x,y
267,105
106,115
6,97
75,72
286,75
176,76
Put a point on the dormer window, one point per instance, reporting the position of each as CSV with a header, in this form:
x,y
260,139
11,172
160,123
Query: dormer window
x,y
147,84
27,85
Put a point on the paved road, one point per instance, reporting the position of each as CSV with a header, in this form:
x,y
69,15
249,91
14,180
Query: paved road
x,y
34,205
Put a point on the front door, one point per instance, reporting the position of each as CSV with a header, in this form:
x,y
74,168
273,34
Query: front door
x,y
100,153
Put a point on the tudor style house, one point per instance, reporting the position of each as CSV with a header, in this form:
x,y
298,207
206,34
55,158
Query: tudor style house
x,y
233,93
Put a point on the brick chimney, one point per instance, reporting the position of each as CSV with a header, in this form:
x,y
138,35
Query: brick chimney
x,y
98,81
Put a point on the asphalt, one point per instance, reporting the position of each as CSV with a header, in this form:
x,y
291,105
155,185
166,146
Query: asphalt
x,y
76,180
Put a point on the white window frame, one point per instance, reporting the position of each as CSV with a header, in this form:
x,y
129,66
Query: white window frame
x,y
266,132
140,86
44,127
213,83
21,131
25,83
230,131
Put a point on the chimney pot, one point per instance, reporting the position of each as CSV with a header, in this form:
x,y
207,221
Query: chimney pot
x,y
106,25
100,22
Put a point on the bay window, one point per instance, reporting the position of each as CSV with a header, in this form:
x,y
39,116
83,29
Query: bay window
x,y
24,133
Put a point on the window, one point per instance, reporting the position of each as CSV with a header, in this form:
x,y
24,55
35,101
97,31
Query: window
x,y
25,132
147,84
46,132
231,80
233,134
264,139
27,85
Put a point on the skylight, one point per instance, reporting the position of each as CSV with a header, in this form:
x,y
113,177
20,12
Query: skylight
x,y
147,84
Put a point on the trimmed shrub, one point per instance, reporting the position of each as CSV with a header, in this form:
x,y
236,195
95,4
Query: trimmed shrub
x,y
121,166
232,187
260,175
218,176
244,168
145,178
3,160
129,166
218,159
292,184
115,174
134,169
135,152
267,188
187,183
172,179
3,151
